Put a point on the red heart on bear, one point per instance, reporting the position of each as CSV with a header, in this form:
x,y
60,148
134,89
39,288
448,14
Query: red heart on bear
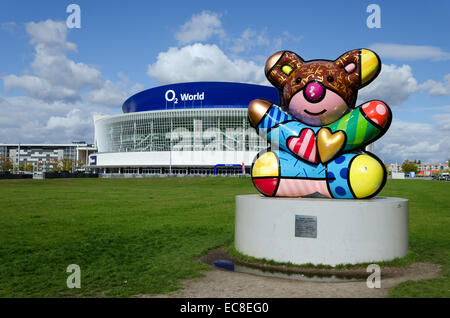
x,y
304,145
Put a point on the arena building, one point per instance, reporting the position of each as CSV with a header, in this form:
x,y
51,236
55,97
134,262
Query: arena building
x,y
186,128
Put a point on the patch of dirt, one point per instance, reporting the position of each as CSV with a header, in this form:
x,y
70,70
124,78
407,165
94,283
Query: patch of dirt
x,y
355,272
218,283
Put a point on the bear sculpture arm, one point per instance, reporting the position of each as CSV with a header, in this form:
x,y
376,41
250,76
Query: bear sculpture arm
x,y
282,130
363,125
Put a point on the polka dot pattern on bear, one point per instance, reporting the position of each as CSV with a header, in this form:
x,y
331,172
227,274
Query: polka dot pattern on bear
x,y
381,109
377,112
338,169
340,160
330,176
344,173
340,190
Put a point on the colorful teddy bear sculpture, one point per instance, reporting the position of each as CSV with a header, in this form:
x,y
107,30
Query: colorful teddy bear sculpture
x,y
317,135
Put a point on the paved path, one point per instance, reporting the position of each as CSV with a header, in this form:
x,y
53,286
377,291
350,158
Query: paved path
x,y
226,284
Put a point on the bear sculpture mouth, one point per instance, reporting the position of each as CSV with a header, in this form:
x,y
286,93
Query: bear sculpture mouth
x,y
315,114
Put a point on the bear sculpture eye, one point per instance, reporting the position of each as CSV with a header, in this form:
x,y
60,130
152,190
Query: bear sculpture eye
x,y
298,80
330,79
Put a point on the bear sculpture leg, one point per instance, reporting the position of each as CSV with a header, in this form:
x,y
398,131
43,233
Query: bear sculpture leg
x,y
350,176
291,178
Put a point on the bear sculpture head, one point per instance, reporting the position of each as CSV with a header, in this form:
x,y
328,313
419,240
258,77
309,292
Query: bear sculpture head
x,y
319,92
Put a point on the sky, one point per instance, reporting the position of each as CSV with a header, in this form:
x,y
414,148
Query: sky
x,y
54,79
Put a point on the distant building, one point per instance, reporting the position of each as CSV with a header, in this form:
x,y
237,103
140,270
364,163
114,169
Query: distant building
x,y
431,166
41,155
425,169
394,167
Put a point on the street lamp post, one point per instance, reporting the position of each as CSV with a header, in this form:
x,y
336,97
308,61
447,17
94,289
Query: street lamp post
x,y
170,146
18,160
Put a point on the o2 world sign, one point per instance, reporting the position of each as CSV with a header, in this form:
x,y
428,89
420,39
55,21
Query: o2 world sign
x,y
171,96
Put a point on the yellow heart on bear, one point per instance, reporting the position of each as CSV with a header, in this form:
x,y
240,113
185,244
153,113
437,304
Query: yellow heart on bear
x,y
329,144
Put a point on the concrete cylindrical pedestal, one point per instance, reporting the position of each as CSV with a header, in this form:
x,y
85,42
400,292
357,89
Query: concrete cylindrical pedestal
x,y
321,231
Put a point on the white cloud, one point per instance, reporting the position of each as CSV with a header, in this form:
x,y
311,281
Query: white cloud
x,y
437,88
39,87
27,119
54,76
393,85
203,62
260,40
113,94
32,120
444,108
410,52
5,121
58,69
443,123
49,35
70,121
207,62
62,95
406,140
249,39
200,27
429,143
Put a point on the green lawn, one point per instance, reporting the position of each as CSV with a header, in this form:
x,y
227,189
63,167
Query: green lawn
x,y
429,232
133,236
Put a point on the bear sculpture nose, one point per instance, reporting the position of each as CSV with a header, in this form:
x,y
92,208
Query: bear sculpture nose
x,y
314,92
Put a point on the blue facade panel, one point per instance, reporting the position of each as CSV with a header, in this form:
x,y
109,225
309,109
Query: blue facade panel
x,y
198,95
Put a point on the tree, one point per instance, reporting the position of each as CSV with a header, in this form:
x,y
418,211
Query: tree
x,y
5,163
67,165
54,164
61,165
409,166
79,164
39,165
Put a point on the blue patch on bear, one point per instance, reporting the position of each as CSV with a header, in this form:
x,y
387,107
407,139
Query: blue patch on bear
x,y
344,173
331,177
340,190
338,168
340,160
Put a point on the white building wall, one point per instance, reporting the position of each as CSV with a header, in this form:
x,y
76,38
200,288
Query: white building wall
x,y
176,158
197,137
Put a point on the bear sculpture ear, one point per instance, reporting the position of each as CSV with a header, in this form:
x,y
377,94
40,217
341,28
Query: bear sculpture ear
x,y
280,66
370,66
362,66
